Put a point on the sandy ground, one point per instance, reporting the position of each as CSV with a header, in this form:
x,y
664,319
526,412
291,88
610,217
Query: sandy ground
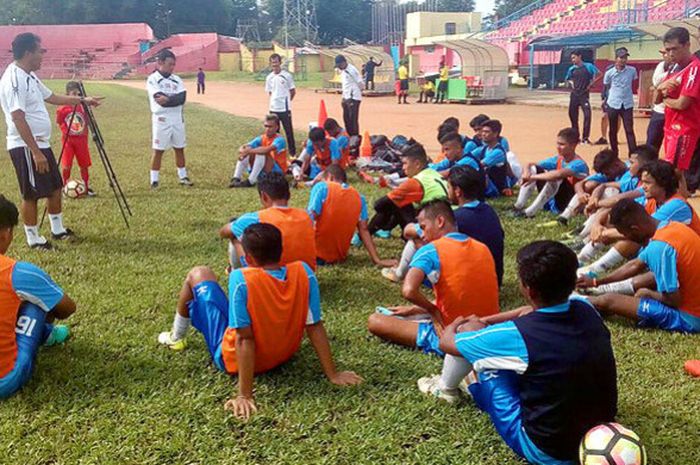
x,y
530,129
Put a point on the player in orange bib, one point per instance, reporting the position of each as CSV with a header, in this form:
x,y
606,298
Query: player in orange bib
x,y
264,154
262,324
669,263
339,210
295,224
29,302
334,130
463,275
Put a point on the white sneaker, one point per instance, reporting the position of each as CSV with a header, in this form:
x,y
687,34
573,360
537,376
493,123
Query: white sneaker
x,y
586,271
431,385
166,339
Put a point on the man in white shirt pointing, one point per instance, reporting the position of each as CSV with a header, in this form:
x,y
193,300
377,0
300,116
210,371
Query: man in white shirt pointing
x,y
280,87
352,94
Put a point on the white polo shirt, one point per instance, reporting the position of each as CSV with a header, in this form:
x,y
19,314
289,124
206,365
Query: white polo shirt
x,y
22,91
279,87
351,83
657,78
170,85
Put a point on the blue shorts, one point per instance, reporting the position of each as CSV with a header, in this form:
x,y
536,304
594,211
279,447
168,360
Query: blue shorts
x,y
655,314
209,315
497,394
314,170
427,339
30,332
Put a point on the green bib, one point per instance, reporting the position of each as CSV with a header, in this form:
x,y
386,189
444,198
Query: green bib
x,y
434,186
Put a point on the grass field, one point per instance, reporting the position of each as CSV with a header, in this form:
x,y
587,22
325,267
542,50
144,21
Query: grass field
x,y
112,396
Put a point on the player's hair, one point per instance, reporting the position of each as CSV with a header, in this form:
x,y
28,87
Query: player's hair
x,y
604,159
165,54
679,34
274,118
274,185
452,121
646,153
9,215
435,208
330,124
263,242
478,121
627,212
337,172
494,125
276,56
577,52
570,135
415,151
26,42
444,129
549,268
317,134
451,136
73,85
470,181
663,173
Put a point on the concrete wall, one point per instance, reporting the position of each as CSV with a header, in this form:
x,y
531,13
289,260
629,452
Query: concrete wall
x,y
230,61
428,24
426,59
254,60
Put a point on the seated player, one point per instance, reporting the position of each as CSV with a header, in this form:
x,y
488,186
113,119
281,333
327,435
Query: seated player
x,y
295,224
545,374
446,127
261,325
263,154
334,130
661,200
554,177
321,151
75,138
474,217
608,169
30,301
462,273
492,156
398,207
451,146
427,91
338,211
672,254
477,124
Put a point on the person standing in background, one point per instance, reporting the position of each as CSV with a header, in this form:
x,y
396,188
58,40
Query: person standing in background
x,y
403,82
200,81
581,76
369,73
279,85
620,99
442,83
655,131
351,83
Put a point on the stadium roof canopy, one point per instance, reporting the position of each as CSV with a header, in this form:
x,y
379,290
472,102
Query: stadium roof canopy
x,y
478,56
657,30
589,39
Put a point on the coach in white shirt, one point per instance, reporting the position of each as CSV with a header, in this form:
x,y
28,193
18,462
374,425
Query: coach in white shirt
x,y
22,96
279,85
655,130
352,94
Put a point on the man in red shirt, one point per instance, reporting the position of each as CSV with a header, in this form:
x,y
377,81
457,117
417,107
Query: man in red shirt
x,y
680,92
75,138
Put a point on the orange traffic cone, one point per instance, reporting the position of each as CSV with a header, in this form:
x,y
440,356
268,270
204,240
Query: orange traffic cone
x,y
366,145
322,114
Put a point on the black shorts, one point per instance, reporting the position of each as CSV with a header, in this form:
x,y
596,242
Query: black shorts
x,y
403,83
33,185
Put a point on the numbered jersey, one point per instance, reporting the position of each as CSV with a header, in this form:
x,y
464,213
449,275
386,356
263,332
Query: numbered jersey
x,y
168,85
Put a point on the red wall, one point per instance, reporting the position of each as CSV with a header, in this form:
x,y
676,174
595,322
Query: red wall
x,y
192,51
430,62
75,35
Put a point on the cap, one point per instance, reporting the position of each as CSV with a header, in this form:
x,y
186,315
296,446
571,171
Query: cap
x,y
339,59
621,52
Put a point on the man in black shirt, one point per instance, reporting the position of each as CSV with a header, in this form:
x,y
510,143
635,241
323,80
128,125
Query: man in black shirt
x,y
581,76
369,73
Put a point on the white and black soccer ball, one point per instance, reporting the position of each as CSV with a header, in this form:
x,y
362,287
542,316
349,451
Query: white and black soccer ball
x,y
74,189
612,444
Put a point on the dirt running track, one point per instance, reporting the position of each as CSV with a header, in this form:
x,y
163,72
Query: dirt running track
x,y
530,129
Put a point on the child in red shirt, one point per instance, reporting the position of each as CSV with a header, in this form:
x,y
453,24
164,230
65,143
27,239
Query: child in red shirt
x,y
75,141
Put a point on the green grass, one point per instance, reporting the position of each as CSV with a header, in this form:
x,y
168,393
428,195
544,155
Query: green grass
x,y
111,396
307,81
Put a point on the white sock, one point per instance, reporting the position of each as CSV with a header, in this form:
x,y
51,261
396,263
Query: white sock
x,y
610,260
57,223
454,370
182,172
258,166
524,195
155,176
610,192
406,255
180,327
589,251
570,209
33,236
548,191
622,287
241,167
588,225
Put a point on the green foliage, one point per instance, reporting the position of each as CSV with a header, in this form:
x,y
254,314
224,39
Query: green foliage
x,y
505,7
112,396
456,5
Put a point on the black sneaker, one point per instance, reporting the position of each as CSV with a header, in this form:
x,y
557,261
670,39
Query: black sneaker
x,y
562,221
587,142
516,213
155,185
43,246
234,182
65,235
186,182
245,183
601,141
90,193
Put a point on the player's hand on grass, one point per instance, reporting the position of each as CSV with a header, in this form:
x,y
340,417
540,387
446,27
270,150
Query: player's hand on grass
x,y
345,378
94,101
241,407
42,164
387,262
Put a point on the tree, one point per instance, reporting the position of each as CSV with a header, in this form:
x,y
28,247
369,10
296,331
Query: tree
x,y
456,5
504,8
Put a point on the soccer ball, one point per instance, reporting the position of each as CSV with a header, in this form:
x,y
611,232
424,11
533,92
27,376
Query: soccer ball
x,y
74,189
612,444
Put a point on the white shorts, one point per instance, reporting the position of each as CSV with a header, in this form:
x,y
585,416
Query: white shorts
x,y
168,133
